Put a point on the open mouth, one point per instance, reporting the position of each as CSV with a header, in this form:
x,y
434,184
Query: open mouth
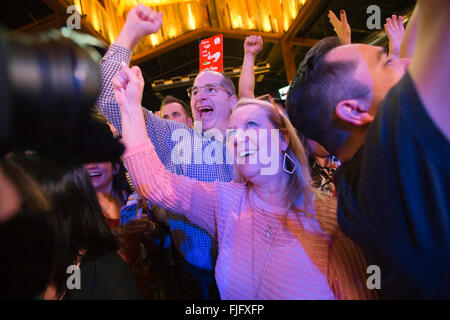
x,y
205,111
94,175
246,154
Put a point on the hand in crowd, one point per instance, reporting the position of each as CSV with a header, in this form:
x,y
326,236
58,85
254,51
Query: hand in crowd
x,y
141,21
395,31
341,27
253,45
128,87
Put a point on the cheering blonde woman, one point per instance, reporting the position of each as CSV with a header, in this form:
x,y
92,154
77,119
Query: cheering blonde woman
x,y
277,240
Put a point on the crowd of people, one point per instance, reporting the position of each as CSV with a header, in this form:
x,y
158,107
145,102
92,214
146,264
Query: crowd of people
x,y
243,197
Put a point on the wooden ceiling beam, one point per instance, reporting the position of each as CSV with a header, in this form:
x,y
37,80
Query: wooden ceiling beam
x,y
167,46
49,22
198,34
290,37
242,34
60,9
58,6
305,12
288,59
304,42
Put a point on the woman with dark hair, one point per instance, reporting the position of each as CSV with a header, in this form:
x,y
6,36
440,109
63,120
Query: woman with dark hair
x,y
83,238
142,243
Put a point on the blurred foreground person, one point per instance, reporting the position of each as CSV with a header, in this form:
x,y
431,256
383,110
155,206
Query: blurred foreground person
x,y
27,239
83,237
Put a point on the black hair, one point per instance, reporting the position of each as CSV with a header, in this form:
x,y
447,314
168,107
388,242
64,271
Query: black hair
x,y
121,187
82,229
316,90
27,239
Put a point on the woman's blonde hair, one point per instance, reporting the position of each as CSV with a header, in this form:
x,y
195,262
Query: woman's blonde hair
x,y
299,183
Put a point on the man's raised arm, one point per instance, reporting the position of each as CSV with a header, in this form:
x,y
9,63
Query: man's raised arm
x,y
252,46
141,21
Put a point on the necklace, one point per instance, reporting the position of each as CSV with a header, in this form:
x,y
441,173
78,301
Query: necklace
x,y
269,254
269,229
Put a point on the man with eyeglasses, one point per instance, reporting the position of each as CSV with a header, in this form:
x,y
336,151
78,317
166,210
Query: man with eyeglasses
x,y
212,99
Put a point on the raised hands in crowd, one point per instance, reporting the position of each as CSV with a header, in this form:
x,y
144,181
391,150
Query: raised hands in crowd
x,y
252,46
141,21
341,27
395,31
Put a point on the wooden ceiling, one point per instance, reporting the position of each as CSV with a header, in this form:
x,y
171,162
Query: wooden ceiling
x,y
288,27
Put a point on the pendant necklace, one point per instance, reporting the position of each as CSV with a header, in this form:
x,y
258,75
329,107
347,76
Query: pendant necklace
x,y
268,234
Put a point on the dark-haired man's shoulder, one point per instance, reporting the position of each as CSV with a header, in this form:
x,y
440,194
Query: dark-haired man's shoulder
x,y
394,198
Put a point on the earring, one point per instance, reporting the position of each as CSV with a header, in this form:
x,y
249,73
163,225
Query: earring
x,y
293,164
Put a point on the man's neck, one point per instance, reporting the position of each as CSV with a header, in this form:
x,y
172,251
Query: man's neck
x,y
352,145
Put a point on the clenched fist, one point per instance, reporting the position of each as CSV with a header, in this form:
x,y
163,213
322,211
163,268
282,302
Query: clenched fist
x,y
128,87
253,45
141,21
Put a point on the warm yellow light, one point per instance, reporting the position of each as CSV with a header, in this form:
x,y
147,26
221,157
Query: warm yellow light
x,y
191,18
266,25
293,10
164,2
95,20
251,24
234,20
239,22
77,4
286,23
172,32
154,40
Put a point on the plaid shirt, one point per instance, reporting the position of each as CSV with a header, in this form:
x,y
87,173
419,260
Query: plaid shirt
x,y
195,244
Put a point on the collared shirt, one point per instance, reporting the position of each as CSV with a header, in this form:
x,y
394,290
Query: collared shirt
x,y
175,144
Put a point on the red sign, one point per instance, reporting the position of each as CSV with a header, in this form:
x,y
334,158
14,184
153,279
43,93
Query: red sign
x,y
211,53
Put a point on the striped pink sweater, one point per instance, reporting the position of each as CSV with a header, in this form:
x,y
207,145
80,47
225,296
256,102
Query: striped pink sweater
x,y
300,259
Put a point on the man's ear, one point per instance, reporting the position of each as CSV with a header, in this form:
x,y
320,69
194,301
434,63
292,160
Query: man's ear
x,y
233,101
353,112
189,121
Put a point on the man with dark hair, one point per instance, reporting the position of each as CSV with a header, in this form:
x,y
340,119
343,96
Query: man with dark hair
x,y
334,82
393,185
176,110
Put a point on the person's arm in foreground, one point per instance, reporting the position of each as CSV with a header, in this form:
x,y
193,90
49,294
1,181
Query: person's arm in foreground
x,y
252,46
196,200
430,65
410,37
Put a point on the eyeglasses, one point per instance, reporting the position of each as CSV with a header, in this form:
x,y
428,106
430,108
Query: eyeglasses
x,y
269,98
211,89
